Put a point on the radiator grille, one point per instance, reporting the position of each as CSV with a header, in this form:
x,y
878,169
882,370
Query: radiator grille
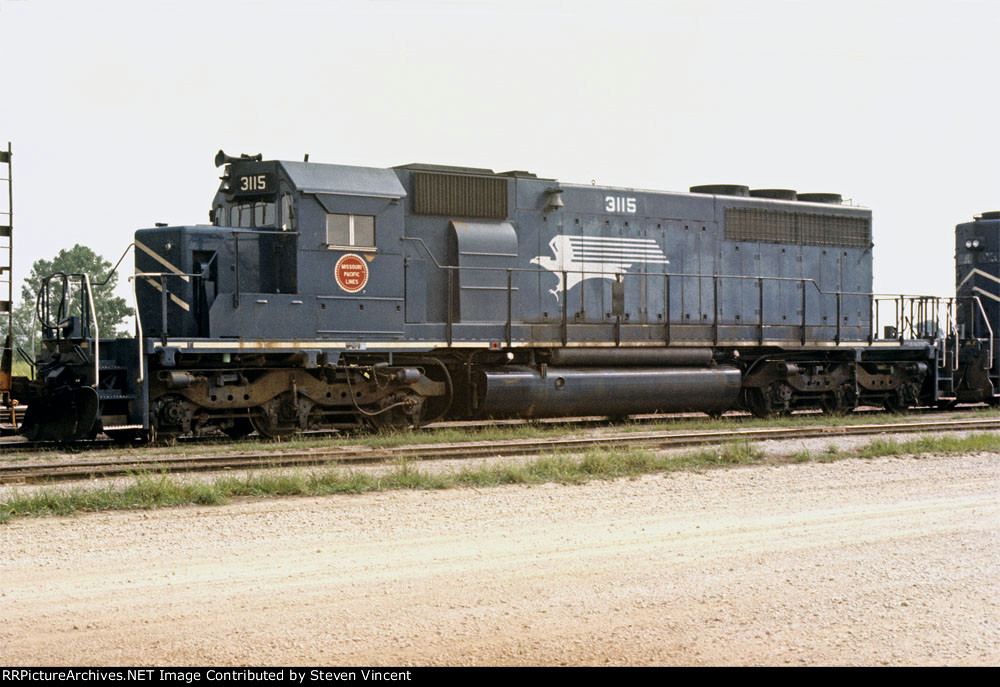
x,y
459,195
773,226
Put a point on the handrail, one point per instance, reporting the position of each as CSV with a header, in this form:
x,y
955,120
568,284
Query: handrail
x,y
913,314
901,300
761,280
167,274
953,323
944,339
953,328
982,311
919,306
86,291
97,334
160,275
428,251
114,269
164,294
269,233
819,290
138,326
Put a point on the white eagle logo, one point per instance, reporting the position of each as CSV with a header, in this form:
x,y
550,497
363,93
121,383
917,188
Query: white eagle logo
x,y
596,257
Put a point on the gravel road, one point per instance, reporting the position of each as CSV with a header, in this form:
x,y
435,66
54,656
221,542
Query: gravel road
x,y
888,561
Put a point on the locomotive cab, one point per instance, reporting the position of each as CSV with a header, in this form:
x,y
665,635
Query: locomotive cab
x,y
247,319
290,244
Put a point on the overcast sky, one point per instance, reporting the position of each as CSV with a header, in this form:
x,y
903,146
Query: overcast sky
x,y
116,109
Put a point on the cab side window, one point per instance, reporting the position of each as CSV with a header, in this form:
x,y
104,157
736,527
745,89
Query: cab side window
x,y
350,231
287,213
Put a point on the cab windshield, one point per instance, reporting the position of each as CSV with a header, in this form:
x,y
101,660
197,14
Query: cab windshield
x,y
252,215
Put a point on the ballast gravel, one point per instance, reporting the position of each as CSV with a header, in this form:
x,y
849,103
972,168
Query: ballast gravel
x,y
891,561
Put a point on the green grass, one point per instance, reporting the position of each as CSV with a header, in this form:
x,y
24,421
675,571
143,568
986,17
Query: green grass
x,y
831,453
973,443
161,490
153,491
985,442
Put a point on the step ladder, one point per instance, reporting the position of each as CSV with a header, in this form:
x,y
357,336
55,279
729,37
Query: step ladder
x,y
946,355
994,374
6,278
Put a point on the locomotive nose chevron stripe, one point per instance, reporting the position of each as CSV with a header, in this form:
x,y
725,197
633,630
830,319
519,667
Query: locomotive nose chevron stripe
x,y
989,295
180,303
974,273
159,258
163,261
596,257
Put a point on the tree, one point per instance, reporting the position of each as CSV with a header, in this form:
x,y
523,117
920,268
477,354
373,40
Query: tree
x,y
111,310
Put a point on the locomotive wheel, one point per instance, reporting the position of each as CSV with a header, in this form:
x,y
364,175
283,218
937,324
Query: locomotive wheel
x,y
773,401
831,405
779,398
894,404
837,402
758,404
401,412
267,427
280,417
901,399
173,415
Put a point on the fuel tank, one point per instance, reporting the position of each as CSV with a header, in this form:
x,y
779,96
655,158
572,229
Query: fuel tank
x,y
517,391
629,357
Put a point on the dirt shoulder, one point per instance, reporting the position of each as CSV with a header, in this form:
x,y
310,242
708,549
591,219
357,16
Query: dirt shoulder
x,y
890,561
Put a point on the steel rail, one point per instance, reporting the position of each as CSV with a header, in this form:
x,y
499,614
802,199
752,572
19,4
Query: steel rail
x,y
90,469
11,443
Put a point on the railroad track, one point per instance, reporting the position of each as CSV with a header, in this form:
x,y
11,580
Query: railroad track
x,y
11,444
90,469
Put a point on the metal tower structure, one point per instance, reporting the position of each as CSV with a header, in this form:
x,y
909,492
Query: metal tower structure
x,y
6,277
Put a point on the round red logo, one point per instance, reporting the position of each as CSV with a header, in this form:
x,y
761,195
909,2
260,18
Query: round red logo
x,y
351,272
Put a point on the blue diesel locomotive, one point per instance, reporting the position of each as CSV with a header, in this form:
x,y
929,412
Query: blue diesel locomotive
x,y
330,296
